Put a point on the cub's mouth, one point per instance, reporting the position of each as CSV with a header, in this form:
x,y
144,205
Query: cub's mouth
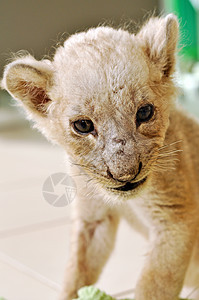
x,y
129,186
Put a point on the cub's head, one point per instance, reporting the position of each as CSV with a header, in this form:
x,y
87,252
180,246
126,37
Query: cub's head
x,y
105,97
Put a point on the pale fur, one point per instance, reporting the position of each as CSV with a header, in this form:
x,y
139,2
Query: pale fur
x,y
106,75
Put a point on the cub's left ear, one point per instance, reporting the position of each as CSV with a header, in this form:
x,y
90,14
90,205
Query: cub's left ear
x,y
29,81
158,39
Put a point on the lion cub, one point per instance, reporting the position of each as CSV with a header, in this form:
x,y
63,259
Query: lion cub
x,y
108,98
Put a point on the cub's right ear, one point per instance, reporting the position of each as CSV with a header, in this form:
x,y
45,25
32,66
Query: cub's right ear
x,y
29,81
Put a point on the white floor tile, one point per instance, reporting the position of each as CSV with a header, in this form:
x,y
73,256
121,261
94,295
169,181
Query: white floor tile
x,y
24,169
24,207
124,266
15,285
23,160
45,252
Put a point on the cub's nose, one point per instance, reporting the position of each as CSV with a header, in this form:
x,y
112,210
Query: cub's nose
x,y
129,175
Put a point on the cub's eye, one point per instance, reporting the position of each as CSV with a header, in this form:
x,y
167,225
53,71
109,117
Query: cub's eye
x,y
144,114
83,126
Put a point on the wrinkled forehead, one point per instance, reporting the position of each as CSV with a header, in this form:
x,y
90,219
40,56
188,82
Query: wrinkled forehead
x,y
100,78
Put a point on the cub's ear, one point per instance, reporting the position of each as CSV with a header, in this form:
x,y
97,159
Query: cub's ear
x,y
29,81
158,39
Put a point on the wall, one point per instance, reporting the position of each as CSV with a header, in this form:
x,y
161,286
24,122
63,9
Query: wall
x,y
37,25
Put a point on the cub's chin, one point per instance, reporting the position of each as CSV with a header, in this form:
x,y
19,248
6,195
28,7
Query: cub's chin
x,y
129,190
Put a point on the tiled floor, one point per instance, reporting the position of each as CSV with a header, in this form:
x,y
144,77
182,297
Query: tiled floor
x,y
34,236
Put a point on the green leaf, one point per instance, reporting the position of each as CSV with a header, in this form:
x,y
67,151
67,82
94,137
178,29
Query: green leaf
x,y
93,293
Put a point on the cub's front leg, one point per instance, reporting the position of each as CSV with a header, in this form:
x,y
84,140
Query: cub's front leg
x,y
163,275
93,236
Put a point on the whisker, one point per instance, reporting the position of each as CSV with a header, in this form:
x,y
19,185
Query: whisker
x,y
157,167
172,155
92,169
165,158
80,174
171,144
89,180
165,166
171,152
